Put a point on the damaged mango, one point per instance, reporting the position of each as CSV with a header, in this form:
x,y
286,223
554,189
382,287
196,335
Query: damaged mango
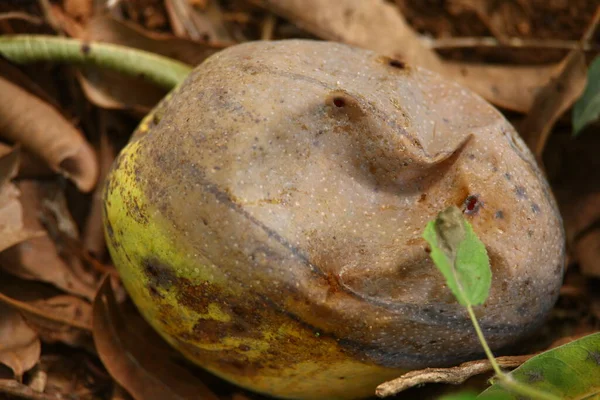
x,y
266,219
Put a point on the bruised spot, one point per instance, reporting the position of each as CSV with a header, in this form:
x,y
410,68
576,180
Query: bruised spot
x,y
86,49
472,204
520,192
499,214
159,275
535,208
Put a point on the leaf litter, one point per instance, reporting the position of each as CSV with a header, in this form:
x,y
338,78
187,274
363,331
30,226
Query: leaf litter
x,y
50,274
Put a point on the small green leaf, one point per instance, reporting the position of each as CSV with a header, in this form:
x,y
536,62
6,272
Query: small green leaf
x,y
571,371
460,256
587,107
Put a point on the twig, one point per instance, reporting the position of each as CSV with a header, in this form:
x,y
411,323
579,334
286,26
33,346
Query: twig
x,y
513,42
453,375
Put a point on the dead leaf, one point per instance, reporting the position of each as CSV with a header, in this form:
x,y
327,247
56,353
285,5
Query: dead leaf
x,y
39,258
123,348
41,129
12,230
207,25
379,26
18,390
74,374
81,10
20,346
93,236
453,375
553,100
113,91
56,317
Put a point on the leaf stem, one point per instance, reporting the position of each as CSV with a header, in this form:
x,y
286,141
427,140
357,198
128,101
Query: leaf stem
x,y
160,70
505,379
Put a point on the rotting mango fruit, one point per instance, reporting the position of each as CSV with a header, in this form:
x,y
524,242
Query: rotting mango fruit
x,y
266,219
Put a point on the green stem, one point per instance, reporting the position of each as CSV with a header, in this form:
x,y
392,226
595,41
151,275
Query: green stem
x,y
484,344
505,379
157,69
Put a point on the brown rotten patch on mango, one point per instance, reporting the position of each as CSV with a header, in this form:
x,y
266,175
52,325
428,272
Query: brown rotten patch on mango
x,y
284,190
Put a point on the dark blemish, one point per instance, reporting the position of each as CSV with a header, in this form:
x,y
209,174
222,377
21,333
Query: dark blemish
x,y
427,249
339,102
530,233
495,89
520,191
396,64
527,282
534,376
158,274
504,286
422,198
319,133
471,156
471,205
535,208
244,347
86,49
499,214
217,168
507,176
594,356
342,378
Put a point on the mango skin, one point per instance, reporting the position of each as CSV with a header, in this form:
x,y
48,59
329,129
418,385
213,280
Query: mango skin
x,y
266,219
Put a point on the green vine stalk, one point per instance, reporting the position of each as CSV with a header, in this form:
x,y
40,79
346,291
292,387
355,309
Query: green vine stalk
x,y
162,71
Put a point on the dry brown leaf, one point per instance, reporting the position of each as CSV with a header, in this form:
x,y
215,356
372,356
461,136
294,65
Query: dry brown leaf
x,y
12,230
38,258
113,91
206,25
379,26
81,10
20,346
553,100
41,129
123,348
453,375
73,374
54,316
18,390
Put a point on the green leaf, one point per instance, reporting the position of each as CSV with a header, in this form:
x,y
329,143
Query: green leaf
x,y
471,396
571,371
587,107
460,256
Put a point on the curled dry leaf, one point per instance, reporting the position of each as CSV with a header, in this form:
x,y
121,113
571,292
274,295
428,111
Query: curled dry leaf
x,y
20,391
453,375
206,25
65,319
56,317
39,258
553,100
379,26
12,230
93,236
41,129
113,91
123,348
20,346
75,373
